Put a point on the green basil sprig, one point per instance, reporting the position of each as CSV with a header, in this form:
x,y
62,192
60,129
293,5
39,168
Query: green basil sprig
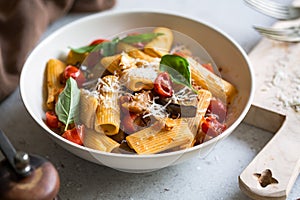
x,y
178,68
144,37
68,102
109,47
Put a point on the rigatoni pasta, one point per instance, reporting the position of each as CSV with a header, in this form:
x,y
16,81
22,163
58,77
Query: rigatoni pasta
x,y
138,83
108,110
99,141
88,107
204,97
151,140
161,45
54,69
111,63
210,81
134,52
151,98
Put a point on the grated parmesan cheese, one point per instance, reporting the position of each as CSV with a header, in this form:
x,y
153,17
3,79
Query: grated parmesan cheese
x,y
285,78
126,61
157,110
184,95
143,72
278,77
108,85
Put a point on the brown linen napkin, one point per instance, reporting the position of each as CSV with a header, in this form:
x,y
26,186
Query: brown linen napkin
x,y
21,25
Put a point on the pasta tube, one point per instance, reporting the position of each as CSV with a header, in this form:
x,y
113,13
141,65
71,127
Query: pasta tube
x,y
111,63
151,140
204,97
137,79
108,110
98,141
138,83
74,58
124,47
161,45
134,52
88,106
118,63
54,69
210,81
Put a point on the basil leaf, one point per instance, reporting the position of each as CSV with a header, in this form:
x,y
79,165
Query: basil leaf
x,y
178,68
145,37
84,49
109,48
68,102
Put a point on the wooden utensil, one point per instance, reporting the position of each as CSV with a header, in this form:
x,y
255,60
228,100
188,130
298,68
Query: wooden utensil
x,y
273,171
26,177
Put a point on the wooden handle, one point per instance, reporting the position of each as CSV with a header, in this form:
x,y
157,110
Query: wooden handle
x,y
274,170
43,182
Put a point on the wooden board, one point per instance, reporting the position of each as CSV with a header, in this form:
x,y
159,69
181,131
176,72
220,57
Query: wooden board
x,y
277,73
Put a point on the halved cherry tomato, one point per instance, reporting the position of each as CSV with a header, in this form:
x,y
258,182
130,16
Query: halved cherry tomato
x,y
124,99
209,67
218,108
98,41
181,54
75,73
75,134
212,127
128,123
132,122
163,85
51,119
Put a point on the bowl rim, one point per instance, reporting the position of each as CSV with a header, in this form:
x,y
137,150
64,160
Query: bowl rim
x,y
139,12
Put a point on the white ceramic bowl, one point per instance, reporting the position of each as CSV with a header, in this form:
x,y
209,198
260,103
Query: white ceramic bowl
x,y
225,52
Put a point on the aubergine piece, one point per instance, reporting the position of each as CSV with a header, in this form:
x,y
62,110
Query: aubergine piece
x,y
178,110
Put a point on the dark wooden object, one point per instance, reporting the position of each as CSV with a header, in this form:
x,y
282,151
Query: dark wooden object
x,y
26,177
41,184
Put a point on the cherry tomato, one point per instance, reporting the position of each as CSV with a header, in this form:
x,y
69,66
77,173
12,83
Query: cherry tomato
x,y
75,73
212,127
124,99
51,119
75,134
181,54
98,41
128,123
218,108
209,67
163,85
